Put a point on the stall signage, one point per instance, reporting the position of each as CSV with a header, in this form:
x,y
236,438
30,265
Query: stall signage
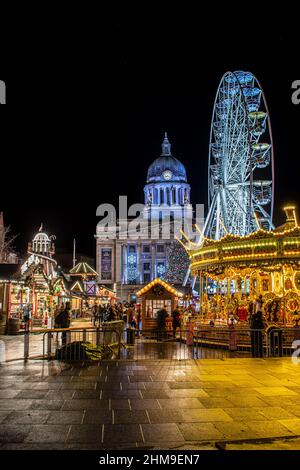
x,y
33,259
90,288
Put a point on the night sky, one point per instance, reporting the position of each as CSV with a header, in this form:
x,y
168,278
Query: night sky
x,y
87,116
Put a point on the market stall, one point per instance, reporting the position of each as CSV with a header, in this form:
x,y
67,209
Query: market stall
x,y
14,298
155,296
83,288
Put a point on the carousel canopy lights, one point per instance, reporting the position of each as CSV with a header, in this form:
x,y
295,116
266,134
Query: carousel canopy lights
x,y
281,245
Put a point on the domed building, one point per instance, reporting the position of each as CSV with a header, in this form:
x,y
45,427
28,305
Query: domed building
x,y
125,264
167,186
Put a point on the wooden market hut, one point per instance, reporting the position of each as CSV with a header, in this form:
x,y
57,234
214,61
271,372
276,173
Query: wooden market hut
x,y
154,296
83,285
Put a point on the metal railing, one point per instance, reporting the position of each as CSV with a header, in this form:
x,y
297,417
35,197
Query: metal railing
x,y
282,342
60,339
242,341
155,344
134,344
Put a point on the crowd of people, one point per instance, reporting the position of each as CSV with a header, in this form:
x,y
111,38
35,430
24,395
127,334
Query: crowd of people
x,y
129,313
258,320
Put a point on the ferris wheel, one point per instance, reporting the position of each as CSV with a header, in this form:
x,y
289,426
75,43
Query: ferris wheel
x,y
241,160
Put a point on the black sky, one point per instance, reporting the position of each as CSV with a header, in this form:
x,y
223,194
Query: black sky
x,y
87,115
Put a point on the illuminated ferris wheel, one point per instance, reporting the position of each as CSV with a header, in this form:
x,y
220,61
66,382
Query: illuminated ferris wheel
x,y
241,161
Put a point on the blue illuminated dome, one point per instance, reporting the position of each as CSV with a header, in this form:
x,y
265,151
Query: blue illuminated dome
x,y
166,167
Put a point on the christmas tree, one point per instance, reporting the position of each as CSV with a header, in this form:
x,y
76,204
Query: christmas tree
x,y
177,264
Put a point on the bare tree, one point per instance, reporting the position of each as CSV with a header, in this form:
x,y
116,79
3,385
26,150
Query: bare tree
x,y
6,243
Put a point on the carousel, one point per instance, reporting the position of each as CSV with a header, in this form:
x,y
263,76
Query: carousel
x,y
243,262
237,272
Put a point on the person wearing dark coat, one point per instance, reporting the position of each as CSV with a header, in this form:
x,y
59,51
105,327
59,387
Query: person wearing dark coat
x,y
63,321
257,326
175,321
161,323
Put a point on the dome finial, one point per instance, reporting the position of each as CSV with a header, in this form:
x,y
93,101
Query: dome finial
x,y
166,146
41,227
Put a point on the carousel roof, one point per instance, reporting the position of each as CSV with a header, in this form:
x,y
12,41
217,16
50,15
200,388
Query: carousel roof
x,y
281,245
83,269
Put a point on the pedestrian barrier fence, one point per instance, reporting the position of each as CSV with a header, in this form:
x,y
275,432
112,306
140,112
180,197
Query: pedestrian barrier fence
x,y
56,343
133,344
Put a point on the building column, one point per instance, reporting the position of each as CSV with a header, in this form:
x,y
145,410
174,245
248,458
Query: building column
x,y
124,280
121,263
139,262
152,261
171,196
158,198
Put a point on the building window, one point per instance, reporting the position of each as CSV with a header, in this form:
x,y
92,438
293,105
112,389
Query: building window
x,y
160,248
161,269
132,272
106,264
146,266
147,278
152,307
146,248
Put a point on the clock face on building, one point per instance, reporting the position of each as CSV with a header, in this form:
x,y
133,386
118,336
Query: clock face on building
x,y
167,175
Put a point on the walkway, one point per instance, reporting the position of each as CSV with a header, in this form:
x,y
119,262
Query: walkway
x,y
148,404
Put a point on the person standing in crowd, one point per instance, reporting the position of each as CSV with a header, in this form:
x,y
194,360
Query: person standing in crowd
x,y
133,322
257,326
161,323
94,313
130,314
58,310
175,320
259,304
232,346
63,321
138,319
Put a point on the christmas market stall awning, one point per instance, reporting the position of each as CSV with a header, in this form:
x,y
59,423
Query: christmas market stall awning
x,y
61,286
83,269
36,277
105,292
164,284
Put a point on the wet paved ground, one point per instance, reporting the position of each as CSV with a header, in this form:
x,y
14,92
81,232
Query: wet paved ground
x,y
148,404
